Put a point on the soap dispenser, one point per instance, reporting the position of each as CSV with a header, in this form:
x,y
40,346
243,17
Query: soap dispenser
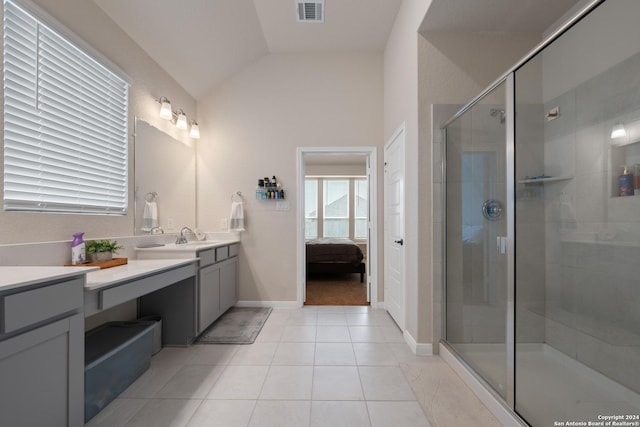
x,y
625,183
78,250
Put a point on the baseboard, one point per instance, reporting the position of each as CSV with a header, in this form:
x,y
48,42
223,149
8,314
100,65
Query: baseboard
x,y
419,349
272,304
503,415
379,304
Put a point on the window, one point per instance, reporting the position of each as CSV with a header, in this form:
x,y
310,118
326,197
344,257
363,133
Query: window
x,y
65,123
311,208
336,207
361,208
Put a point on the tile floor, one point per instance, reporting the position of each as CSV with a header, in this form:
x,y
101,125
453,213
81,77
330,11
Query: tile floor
x,y
315,366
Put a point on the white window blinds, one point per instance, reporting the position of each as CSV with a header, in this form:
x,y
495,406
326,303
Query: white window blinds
x,y
65,123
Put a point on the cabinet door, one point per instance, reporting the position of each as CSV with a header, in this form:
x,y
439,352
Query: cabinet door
x,y
42,375
208,296
228,284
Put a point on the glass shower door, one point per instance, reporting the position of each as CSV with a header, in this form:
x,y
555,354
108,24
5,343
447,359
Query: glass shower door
x,y
476,229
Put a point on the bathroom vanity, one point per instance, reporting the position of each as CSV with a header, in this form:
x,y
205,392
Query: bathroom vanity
x,y
42,346
217,284
42,326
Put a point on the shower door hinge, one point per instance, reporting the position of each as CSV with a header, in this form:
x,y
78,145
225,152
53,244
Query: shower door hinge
x,y
502,244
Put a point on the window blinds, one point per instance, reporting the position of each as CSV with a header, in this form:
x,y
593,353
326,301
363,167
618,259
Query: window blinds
x,y
65,124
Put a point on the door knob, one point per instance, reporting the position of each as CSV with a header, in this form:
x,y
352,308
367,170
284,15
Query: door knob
x,y
400,242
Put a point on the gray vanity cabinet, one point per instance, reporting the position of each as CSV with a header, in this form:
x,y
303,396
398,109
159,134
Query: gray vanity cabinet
x,y
42,355
209,296
228,284
217,283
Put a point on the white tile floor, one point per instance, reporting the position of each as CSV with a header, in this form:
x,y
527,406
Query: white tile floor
x,y
316,366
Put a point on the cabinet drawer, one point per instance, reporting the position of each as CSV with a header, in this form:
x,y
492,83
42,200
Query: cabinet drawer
x,y
233,250
222,253
207,257
25,308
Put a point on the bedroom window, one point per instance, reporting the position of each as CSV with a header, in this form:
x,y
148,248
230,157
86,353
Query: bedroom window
x,y
65,120
336,207
311,208
361,207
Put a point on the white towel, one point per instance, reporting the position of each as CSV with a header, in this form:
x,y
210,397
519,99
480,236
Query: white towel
x,y
149,216
236,222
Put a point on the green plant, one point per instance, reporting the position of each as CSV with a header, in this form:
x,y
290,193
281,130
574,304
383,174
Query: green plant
x,y
93,246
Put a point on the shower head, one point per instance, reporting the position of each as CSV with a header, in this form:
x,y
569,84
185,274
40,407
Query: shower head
x,y
495,112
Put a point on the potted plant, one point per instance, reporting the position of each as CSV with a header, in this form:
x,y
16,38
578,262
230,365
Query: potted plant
x,y
101,250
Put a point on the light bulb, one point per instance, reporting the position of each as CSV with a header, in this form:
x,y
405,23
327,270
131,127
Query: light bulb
x,y
195,131
618,131
181,123
165,109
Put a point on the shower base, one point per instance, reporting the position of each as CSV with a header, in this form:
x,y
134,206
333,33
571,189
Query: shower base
x,y
550,386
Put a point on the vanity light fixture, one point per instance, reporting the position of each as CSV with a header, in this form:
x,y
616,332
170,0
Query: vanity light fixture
x,y
181,122
195,130
618,131
165,109
178,118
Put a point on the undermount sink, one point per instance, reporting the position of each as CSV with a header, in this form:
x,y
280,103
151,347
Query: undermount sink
x,y
183,250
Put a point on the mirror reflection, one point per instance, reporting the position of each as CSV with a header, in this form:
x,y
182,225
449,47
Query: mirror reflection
x,y
165,181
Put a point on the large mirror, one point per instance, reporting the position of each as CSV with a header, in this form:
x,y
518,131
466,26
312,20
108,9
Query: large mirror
x,y
165,180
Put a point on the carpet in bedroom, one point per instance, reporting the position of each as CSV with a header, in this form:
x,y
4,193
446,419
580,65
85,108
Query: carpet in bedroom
x,y
336,289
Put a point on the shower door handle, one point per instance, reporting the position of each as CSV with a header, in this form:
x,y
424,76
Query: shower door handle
x,y
502,244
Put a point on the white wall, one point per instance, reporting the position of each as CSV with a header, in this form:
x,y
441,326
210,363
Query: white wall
x,y
86,20
254,122
401,106
336,170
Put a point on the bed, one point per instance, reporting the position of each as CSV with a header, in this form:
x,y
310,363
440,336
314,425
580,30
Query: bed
x,y
334,255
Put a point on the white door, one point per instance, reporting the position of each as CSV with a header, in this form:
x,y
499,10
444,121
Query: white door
x,y
394,227
369,227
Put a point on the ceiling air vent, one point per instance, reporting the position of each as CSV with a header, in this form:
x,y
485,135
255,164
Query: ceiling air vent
x,y
310,11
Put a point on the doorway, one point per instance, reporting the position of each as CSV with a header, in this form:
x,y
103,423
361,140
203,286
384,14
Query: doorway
x,y
337,211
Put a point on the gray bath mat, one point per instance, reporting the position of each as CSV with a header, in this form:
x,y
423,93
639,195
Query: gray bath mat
x,y
239,325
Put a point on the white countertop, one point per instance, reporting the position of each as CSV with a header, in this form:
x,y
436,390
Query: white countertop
x,y
14,277
193,246
134,269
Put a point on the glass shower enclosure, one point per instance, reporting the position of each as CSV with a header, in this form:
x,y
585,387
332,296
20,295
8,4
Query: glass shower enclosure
x,y
542,270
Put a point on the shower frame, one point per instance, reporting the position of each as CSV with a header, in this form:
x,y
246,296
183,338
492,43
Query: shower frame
x,y
508,78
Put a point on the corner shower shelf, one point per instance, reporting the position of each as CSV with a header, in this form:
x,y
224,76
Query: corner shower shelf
x,y
543,180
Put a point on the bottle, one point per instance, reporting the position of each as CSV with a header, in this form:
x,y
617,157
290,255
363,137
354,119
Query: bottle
x,y
281,193
636,179
78,255
625,183
258,195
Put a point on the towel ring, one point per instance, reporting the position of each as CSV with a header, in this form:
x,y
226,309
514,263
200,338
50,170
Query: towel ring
x,y
237,197
151,196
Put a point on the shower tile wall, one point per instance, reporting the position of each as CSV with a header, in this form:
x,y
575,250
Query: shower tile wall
x,y
592,236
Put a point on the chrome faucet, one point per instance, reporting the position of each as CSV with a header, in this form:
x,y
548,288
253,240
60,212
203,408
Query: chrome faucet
x,y
182,239
156,230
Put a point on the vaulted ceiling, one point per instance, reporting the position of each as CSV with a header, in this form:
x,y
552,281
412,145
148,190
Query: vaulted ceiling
x,y
200,43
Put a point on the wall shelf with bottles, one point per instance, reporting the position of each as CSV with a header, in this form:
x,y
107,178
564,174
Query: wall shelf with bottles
x,y
269,189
